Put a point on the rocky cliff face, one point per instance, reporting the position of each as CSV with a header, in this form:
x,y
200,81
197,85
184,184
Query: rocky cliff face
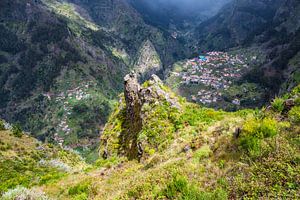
x,y
133,125
123,133
148,61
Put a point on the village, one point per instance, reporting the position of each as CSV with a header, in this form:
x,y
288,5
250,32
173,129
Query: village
x,y
211,73
64,99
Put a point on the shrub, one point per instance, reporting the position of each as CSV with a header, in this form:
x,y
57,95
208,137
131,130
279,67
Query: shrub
x,y
50,177
17,130
24,193
81,190
55,163
264,128
294,114
194,115
82,196
297,101
2,126
251,144
254,131
278,104
180,188
201,153
111,161
296,90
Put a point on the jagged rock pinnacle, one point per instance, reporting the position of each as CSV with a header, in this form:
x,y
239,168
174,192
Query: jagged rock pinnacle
x,y
133,116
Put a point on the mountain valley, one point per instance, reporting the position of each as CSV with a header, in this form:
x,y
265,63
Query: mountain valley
x,y
126,99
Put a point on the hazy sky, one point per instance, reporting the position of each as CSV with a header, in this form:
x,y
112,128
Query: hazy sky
x,y
188,4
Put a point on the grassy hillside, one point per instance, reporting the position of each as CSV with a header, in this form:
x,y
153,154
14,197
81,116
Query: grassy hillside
x,y
26,162
192,152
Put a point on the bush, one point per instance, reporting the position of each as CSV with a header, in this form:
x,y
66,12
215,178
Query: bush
x,y
278,104
294,114
251,145
108,163
24,193
81,190
2,126
296,90
264,128
202,153
180,188
254,131
17,130
297,101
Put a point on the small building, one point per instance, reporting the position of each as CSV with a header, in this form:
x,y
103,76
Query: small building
x,y
236,102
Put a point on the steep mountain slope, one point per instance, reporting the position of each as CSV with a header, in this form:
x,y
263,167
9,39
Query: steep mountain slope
x,y
273,26
62,64
176,15
127,24
190,152
27,162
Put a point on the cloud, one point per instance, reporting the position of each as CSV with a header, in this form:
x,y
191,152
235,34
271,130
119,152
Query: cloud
x,y
186,5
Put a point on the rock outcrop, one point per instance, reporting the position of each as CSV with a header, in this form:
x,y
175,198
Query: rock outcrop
x,y
133,125
121,134
148,61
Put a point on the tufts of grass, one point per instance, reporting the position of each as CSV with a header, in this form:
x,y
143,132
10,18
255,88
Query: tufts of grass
x,y
17,130
254,131
278,104
294,114
81,191
2,127
180,188
203,152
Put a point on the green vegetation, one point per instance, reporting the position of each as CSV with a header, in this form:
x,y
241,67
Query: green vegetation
x,y
81,191
249,94
254,131
17,130
76,21
2,127
26,162
278,104
294,114
65,71
203,152
26,172
189,152
180,188
24,193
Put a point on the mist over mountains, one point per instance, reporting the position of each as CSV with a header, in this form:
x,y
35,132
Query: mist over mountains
x,y
166,13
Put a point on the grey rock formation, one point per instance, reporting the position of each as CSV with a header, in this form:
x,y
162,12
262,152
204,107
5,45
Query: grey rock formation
x,y
133,119
135,97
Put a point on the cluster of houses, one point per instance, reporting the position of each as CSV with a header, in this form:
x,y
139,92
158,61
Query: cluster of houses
x,y
207,96
212,73
63,98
